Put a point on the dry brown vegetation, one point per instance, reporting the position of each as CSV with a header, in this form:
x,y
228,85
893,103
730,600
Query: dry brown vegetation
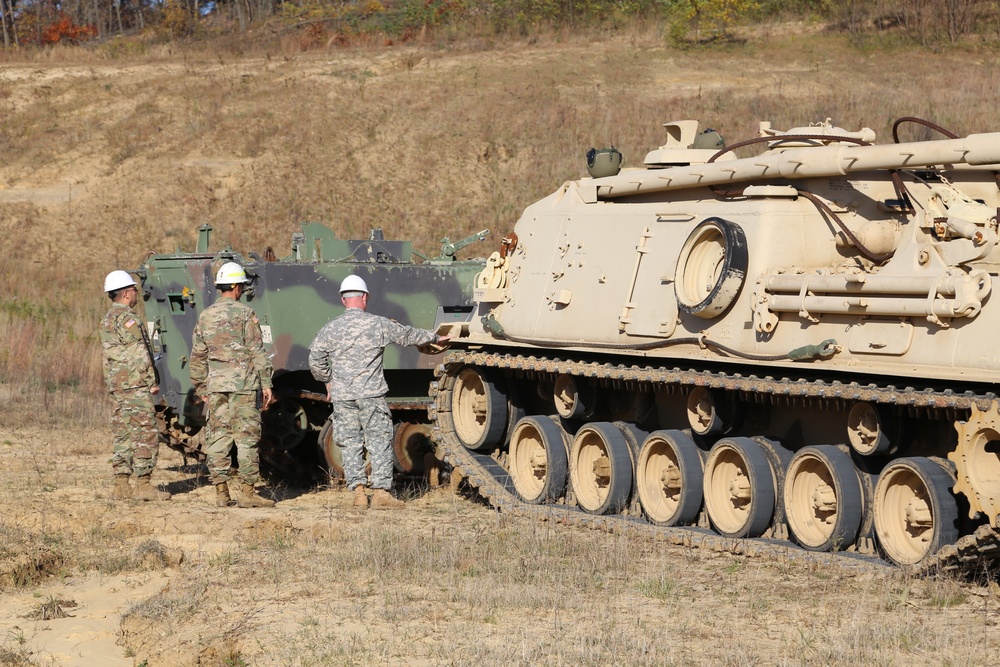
x,y
445,582
104,160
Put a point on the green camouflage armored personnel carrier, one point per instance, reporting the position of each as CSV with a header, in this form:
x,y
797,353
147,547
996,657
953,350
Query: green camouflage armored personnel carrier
x,y
293,297
797,344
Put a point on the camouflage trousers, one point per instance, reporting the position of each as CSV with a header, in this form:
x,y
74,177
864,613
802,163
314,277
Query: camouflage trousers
x,y
137,439
233,420
364,424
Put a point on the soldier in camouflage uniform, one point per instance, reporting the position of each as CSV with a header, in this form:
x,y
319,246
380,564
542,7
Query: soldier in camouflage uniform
x,y
231,371
346,355
131,380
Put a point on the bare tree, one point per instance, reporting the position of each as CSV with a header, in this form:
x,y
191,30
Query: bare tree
x,y
242,17
959,18
8,12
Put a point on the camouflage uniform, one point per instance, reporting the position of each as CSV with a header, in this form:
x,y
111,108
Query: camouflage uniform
x,y
347,355
230,366
129,375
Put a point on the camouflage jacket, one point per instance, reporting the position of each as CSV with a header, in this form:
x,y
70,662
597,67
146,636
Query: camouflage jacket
x,y
347,352
227,350
126,357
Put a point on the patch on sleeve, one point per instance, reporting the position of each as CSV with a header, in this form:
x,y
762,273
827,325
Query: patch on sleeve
x,y
130,323
255,320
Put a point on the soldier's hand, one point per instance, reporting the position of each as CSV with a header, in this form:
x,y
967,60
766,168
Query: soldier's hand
x,y
154,390
268,398
443,339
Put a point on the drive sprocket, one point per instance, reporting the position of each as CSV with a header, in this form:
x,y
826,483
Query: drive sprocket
x,y
977,461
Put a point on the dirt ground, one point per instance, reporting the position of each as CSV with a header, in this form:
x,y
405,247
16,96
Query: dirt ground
x,y
56,489
89,581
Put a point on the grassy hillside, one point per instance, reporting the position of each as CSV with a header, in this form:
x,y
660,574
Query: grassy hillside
x,y
106,160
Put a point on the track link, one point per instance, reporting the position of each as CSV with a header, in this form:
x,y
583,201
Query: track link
x,y
491,481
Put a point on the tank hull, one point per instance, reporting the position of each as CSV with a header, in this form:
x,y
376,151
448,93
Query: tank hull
x,y
610,276
792,345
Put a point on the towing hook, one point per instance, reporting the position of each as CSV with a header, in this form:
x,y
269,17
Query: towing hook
x,y
491,324
824,350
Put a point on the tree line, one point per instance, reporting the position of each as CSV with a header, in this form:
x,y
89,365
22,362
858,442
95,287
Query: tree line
x,y
29,23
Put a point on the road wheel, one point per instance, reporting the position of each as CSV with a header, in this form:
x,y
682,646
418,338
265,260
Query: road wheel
x,y
823,499
411,443
669,471
915,511
600,468
286,424
739,488
479,410
537,458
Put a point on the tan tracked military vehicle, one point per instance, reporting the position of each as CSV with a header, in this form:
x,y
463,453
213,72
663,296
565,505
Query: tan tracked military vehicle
x,y
797,344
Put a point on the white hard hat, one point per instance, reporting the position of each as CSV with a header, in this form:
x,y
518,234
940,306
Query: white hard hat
x,y
230,273
353,284
116,280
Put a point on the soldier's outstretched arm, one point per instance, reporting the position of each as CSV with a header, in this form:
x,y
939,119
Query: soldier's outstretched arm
x,y
401,334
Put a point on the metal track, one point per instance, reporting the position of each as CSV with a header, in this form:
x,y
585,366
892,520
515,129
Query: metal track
x,y
493,483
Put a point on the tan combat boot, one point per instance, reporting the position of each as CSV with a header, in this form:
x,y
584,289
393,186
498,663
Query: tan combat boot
x,y
249,498
360,498
144,490
122,490
222,497
383,500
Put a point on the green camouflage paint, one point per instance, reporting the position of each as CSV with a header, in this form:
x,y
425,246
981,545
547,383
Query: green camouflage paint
x,y
293,298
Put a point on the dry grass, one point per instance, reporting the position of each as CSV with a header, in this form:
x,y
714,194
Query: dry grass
x,y
423,142
509,592
446,582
